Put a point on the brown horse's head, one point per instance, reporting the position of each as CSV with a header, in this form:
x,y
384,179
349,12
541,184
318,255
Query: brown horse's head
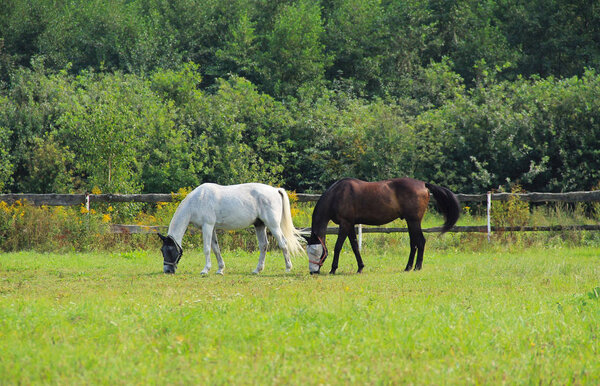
x,y
317,253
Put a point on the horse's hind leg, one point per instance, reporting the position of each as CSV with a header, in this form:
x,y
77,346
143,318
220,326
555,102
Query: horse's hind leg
x,y
417,245
207,233
263,243
420,250
217,251
280,238
411,256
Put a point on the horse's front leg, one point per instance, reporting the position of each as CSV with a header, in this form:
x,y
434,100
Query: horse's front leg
x,y
411,256
217,251
263,244
342,234
356,250
207,232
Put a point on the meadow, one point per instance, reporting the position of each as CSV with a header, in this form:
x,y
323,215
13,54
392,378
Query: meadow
x,y
491,314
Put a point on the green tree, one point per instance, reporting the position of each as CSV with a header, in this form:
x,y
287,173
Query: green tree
x,y
295,58
172,161
568,115
50,167
29,111
22,22
92,34
6,166
240,54
115,126
556,37
471,31
355,35
239,134
181,86
342,136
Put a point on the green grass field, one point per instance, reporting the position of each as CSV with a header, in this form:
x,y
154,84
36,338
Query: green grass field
x,y
486,317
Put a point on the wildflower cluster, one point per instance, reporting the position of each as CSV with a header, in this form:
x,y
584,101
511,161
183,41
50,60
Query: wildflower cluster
x,y
24,226
512,212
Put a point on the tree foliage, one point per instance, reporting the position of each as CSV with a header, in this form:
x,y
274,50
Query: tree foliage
x,y
131,95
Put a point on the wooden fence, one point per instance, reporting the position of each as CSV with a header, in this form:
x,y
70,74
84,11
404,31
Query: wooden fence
x,y
86,199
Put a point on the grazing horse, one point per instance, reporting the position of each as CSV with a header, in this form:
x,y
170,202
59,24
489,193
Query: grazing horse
x,y
212,207
350,201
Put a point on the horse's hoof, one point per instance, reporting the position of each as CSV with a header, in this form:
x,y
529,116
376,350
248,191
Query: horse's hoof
x,y
255,272
220,273
204,273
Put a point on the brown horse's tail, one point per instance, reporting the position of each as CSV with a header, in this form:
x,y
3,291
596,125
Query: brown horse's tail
x,y
447,204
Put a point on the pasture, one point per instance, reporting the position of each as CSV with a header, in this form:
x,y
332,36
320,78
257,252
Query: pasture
x,y
493,315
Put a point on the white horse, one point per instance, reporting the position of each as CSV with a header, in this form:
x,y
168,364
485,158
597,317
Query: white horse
x,y
212,207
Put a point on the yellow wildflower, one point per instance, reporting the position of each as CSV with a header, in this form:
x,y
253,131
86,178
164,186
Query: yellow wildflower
x,y
294,211
293,196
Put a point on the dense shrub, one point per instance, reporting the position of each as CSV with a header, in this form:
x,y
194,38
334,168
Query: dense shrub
x,y
24,227
127,133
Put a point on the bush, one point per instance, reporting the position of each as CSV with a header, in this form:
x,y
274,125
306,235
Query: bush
x,y
512,212
50,228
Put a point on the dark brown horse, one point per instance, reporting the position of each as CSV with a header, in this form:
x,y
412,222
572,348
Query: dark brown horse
x,y
350,201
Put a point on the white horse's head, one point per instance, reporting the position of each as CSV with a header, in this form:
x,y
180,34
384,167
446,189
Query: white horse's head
x,y
171,252
317,253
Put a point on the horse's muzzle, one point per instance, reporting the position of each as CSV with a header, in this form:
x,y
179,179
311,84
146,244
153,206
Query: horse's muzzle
x,y
168,268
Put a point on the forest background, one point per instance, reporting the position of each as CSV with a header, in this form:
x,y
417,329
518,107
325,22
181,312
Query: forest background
x,y
130,96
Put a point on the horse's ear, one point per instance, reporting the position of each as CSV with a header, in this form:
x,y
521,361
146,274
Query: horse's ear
x,y
163,238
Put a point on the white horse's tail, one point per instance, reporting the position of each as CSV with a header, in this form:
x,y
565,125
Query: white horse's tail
x,y
291,234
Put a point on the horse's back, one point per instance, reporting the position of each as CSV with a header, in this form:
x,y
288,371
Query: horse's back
x,y
402,188
377,203
242,191
234,206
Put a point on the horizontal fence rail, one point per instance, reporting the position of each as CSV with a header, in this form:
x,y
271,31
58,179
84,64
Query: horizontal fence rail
x,y
78,199
146,229
592,196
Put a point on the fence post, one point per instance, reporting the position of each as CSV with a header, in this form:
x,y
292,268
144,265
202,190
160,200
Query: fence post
x,y
489,207
87,202
359,237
